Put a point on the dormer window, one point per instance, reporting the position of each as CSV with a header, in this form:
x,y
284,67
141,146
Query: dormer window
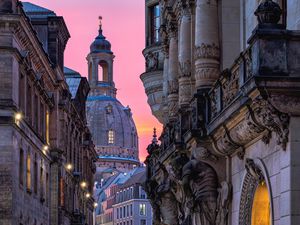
x,y
111,137
109,109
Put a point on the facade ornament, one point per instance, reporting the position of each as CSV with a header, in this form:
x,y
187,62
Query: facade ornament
x,y
269,117
185,68
173,87
207,51
268,12
200,183
151,61
224,195
166,198
172,29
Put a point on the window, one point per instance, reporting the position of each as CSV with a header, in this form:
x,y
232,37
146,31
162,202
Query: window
x,y
62,192
117,213
21,93
124,211
42,182
111,137
35,177
47,127
28,172
29,103
127,208
36,113
142,209
131,210
21,167
143,222
261,212
155,23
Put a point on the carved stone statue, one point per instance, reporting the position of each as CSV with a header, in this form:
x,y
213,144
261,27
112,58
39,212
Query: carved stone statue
x,y
175,174
151,61
200,182
166,198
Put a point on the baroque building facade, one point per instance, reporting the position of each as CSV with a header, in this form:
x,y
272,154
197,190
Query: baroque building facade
x,y
47,155
223,79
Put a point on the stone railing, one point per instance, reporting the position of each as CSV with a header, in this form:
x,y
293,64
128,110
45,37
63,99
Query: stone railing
x,y
228,86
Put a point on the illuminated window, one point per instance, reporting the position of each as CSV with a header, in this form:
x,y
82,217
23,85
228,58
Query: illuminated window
x,y
155,23
261,206
142,209
28,172
47,127
111,137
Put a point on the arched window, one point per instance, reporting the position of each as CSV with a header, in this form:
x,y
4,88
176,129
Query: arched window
x,y
111,137
103,71
261,213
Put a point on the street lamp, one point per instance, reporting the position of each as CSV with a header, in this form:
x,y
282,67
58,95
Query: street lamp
x,y
87,195
83,184
69,166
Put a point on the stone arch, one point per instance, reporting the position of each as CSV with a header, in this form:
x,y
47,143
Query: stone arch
x,y
103,74
255,173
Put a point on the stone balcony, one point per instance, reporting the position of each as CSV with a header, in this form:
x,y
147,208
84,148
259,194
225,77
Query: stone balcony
x,y
153,79
252,99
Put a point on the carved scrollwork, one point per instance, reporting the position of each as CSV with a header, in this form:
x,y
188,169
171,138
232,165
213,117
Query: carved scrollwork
x,y
207,51
269,117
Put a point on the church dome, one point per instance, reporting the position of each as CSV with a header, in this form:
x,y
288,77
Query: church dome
x,y
100,44
114,132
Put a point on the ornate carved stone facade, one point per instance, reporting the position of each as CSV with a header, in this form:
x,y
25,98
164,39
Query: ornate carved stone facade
x,y
231,136
46,147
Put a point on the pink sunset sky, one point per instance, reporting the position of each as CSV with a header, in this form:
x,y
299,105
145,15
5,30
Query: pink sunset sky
x,y
123,25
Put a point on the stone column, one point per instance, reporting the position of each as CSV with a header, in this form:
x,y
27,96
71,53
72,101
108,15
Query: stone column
x,y
165,83
207,52
184,56
173,72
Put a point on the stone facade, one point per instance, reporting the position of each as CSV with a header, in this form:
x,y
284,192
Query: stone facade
x,y
230,112
46,147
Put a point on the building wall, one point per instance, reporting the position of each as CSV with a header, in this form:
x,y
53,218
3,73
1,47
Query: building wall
x,y
33,89
230,131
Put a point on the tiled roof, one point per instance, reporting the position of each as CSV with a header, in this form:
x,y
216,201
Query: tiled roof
x,y
73,84
71,73
30,8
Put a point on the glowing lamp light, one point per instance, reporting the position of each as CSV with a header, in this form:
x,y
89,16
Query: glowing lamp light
x,y
69,166
83,184
95,204
87,195
46,147
18,116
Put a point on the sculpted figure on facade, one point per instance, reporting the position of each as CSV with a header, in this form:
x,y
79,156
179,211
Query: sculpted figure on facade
x,y
200,183
175,174
151,61
166,198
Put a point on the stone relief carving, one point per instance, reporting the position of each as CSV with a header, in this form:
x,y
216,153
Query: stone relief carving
x,y
172,86
151,61
166,198
207,51
269,117
200,183
185,68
